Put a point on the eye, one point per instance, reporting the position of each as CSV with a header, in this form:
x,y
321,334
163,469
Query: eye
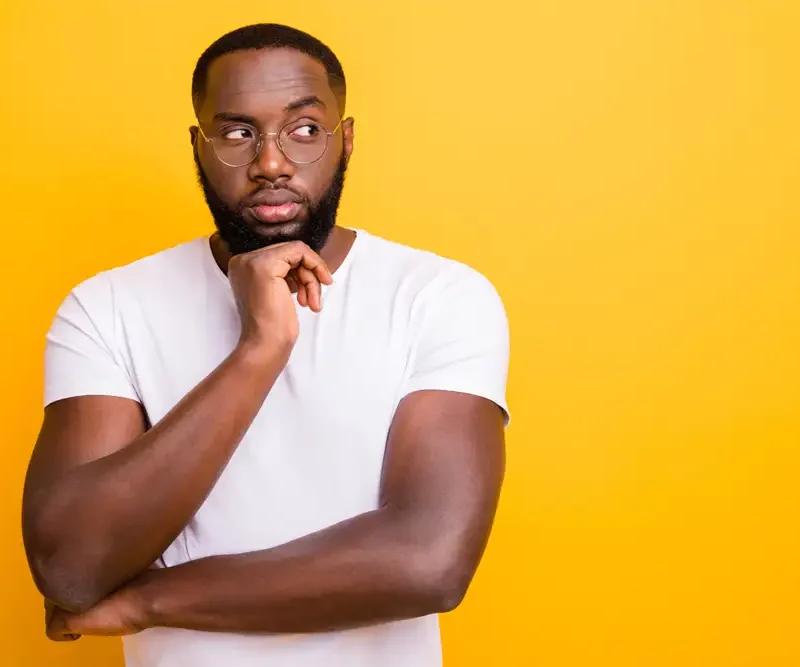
x,y
237,134
306,131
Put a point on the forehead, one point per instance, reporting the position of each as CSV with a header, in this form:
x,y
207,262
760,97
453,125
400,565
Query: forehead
x,y
262,82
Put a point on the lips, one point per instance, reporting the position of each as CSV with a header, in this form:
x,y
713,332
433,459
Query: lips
x,y
273,214
274,206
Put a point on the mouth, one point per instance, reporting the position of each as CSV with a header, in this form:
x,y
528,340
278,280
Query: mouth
x,y
273,214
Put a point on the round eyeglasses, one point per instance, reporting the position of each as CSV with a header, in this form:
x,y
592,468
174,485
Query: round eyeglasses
x,y
301,141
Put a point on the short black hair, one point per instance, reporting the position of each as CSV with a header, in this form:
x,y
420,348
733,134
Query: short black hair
x,y
269,36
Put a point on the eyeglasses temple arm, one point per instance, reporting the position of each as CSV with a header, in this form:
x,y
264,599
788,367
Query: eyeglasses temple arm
x,y
202,134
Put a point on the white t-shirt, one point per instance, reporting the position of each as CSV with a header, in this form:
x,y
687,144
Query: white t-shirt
x,y
396,320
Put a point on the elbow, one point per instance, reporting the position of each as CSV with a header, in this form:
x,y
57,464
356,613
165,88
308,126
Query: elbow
x,y
61,571
64,586
451,590
66,593
447,580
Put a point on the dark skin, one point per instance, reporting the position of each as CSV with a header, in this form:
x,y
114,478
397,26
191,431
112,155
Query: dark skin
x,y
265,89
101,503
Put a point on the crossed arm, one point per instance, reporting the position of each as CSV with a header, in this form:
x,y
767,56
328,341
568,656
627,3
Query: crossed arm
x,y
413,556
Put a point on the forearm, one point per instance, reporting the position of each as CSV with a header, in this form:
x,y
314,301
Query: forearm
x,y
104,522
374,568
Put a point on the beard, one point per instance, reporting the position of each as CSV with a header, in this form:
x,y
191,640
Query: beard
x,y
240,237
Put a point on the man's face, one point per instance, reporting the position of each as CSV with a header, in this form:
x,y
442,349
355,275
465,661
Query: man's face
x,y
272,199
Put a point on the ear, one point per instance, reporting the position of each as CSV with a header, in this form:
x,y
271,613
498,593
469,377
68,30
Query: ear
x,y
349,133
193,134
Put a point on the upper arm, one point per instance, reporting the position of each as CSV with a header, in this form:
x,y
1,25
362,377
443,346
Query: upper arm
x,y
445,454
78,430
92,406
444,466
75,432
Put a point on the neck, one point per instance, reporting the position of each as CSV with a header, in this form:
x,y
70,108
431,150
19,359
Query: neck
x,y
333,252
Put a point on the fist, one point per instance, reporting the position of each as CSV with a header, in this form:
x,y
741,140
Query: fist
x,y
262,283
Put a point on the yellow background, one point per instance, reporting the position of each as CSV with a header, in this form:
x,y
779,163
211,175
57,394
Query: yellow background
x,y
626,173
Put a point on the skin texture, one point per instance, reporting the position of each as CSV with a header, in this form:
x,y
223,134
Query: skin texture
x,y
265,89
100,502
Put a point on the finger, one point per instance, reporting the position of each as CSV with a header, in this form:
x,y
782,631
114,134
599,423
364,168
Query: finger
x,y
299,254
312,288
302,295
323,274
313,291
297,287
58,629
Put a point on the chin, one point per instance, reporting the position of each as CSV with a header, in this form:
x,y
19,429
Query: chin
x,y
279,230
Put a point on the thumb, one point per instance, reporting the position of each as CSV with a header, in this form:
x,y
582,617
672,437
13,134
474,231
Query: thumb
x,y
58,627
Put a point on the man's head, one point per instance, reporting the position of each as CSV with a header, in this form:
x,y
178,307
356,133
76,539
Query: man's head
x,y
288,87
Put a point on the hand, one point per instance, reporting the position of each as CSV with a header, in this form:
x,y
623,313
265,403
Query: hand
x,y
120,614
50,626
263,296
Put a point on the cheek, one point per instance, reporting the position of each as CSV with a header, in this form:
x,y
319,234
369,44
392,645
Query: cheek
x,y
230,184
319,177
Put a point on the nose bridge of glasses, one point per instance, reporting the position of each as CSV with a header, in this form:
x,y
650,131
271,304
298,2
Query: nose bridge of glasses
x,y
270,150
264,148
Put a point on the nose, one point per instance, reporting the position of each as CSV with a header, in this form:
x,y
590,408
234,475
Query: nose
x,y
270,163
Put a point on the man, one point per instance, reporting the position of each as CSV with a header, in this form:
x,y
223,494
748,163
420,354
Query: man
x,y
282,445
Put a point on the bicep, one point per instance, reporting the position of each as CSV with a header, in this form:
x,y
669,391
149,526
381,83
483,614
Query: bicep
x,y
444,466
93,407
79,430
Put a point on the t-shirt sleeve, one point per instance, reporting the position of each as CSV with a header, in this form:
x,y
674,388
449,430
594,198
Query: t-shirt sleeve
x,y
462,344
81,358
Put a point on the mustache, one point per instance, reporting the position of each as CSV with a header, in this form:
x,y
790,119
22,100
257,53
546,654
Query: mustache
x,y
255,198
272,195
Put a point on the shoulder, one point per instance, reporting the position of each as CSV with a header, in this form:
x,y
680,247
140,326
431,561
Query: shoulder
x,y
179,263
403,263
423,272
148,275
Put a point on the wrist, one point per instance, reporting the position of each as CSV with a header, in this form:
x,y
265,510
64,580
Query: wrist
x,y
142,597
262,352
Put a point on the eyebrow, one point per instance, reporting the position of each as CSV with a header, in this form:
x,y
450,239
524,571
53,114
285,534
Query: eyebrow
x,y
308,101
235,117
